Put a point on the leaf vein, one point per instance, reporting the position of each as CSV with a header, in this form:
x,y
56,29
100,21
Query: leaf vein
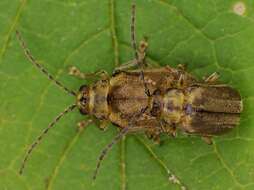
x,y
62,159
225,165
193,26
12,27
171,176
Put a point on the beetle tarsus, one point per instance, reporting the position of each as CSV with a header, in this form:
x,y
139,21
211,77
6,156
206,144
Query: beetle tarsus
x,y
103,125
83,124
74,71
207,139
181,67
212,78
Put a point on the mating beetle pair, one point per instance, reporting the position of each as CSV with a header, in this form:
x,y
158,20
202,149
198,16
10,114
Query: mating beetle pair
x,y
149,100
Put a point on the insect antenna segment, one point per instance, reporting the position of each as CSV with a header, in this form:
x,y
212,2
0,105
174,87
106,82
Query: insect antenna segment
x,y
140,62
133,34
107,148
118,137
44,132
39,66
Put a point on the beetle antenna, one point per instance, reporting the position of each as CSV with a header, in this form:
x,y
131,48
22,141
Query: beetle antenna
x,y
44,132
39,66
107,148
133,29
118,137
140,62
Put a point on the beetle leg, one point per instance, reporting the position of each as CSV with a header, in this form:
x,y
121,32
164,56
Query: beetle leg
x,y
126,66
157,140
181,67
153,135
181,81
143,45
166,128
148,134
172,131
83,124
207,139
212,78
131,64
74,71
142,63
103,125
141,58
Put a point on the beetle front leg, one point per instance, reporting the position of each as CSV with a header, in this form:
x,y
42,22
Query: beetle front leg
x,y
212,78
126,66
83,124
143,45
74,71
181,67
103,125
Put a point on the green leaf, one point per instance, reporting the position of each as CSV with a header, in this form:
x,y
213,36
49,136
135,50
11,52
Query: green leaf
x,y
206,35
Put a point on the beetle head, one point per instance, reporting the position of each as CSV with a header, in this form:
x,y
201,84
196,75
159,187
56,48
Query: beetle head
x,y
83,99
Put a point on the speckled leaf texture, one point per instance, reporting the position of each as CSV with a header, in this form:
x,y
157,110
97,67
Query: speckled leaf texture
x,y
206,35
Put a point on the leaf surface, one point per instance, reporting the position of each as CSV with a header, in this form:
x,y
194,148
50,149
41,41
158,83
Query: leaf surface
x,y
206,35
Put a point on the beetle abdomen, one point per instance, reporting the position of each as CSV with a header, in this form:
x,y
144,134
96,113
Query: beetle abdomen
x,y
209,123
211,110
216,98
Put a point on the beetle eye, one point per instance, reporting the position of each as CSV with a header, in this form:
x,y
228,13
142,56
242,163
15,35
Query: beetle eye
x,y
83,101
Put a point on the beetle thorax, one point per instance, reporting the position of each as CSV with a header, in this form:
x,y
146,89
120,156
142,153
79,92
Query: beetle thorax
x,y
98,103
